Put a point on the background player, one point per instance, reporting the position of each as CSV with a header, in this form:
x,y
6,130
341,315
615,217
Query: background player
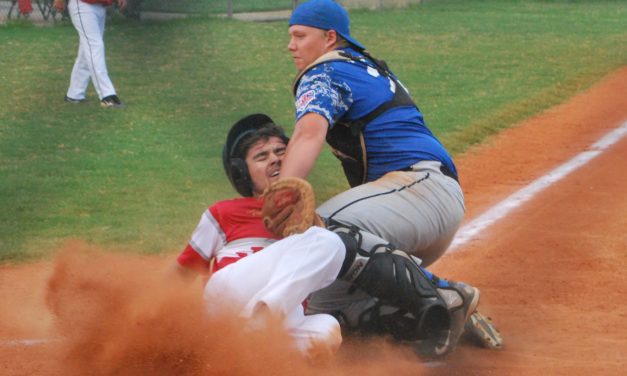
x,y
88,18
405,184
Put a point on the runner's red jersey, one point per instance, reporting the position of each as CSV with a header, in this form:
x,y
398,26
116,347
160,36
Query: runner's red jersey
x,y
228,231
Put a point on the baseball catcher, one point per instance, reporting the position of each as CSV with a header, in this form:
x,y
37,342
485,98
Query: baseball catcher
x,y
405,192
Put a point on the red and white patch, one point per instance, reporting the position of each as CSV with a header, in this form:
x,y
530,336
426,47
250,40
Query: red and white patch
x,y
305,99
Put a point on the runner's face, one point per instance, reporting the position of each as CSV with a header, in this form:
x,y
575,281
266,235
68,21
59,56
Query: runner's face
x,y
264,162
309,43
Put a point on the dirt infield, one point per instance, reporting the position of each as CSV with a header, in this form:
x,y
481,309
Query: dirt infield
x,y
552,275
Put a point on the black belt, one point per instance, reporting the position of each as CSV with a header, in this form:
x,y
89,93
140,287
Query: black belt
x,y
445,170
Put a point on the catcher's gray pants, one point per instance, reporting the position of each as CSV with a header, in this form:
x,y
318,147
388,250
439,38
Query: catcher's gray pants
x,y
417,211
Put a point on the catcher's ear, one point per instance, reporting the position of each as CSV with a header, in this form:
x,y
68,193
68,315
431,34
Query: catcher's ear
x,y
241,176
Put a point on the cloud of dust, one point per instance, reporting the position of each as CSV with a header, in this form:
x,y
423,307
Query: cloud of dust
x,y
122,314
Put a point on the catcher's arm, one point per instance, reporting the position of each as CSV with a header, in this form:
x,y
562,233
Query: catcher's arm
x,y
305,146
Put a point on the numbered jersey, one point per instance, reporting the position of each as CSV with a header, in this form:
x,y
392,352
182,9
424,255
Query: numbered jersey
x,y
227,231
345,91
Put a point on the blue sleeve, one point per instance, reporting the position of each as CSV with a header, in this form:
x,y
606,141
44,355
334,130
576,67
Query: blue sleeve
x,y
322,92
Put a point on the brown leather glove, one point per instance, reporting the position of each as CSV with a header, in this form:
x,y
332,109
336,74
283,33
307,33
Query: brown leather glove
x,y
289,207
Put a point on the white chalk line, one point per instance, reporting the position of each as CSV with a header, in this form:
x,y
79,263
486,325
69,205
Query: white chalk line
x,y
27,342
500,210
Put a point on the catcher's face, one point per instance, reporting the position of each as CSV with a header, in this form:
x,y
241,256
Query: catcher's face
x,y
264,163
309,43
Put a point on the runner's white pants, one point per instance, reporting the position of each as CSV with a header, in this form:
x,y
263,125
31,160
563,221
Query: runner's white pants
x,y
89,22
279,278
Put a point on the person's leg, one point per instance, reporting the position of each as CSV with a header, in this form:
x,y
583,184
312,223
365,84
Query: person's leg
x,y
316,336
281,276
79,79
384,291
417,211
88,20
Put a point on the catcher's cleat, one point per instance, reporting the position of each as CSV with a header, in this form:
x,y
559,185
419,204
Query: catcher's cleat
x,y
112,101
482,330
74,101
462,300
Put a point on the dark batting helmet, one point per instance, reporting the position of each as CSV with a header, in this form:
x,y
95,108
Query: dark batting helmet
x,y
244,134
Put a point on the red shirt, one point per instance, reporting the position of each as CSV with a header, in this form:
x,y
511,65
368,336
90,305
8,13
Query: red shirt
x,y
228,230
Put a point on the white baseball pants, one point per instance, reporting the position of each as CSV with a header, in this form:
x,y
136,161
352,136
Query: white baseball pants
x,y
89,22
279,278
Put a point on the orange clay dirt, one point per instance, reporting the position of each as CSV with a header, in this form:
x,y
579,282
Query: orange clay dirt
x,y
552,275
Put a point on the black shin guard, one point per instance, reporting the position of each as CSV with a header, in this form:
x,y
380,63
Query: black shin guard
x,y
395,279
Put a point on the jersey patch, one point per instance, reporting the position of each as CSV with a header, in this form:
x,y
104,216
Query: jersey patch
x,y
305,99
373,72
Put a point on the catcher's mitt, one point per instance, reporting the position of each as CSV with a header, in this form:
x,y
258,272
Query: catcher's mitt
x,y
289,207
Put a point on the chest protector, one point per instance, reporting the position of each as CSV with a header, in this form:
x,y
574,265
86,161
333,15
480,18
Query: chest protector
x,y
346,137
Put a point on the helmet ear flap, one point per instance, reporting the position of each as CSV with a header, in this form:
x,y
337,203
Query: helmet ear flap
x,y
240,177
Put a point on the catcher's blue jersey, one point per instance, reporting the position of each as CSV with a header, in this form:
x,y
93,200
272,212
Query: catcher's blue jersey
x,y
394,140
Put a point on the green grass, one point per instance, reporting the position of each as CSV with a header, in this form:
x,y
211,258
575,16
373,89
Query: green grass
x,y
214,6
140,178
478,68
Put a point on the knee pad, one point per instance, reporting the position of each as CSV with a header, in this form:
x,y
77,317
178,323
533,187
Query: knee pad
x,y
360,246
395,279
